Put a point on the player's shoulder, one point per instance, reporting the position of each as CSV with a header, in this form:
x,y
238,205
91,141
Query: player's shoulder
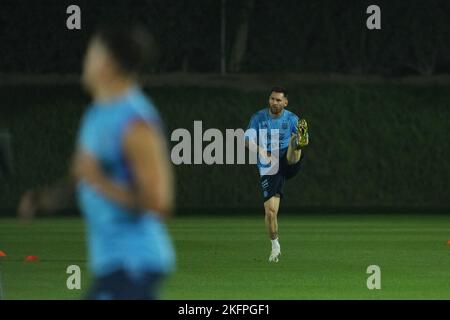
x,y
140,106
291,115
137,99
89,115
260,114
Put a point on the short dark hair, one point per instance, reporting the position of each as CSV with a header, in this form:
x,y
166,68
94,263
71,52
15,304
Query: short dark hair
x,y
280,90
131,46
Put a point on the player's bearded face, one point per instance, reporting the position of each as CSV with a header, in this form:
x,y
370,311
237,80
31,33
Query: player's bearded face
x,y
277,102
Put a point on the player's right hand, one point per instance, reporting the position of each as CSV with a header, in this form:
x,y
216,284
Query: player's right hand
x,y
264,156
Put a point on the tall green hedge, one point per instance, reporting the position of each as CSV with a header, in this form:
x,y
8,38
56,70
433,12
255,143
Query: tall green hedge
x,y
371,145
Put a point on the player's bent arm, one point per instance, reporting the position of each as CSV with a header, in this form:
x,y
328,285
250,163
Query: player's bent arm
x,y
147,155
86,168
253,147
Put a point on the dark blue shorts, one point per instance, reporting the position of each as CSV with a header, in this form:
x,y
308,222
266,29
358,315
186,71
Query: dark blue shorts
x,y
273,184
122,285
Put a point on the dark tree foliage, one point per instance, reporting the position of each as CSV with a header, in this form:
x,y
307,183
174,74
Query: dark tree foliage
x,y
262,36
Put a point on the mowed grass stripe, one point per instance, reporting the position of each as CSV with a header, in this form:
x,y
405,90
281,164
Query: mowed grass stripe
x,y
323,257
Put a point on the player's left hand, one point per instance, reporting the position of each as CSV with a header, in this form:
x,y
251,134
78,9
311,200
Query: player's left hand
x,y
87,168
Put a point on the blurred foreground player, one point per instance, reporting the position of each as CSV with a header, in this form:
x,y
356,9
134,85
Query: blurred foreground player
x,y
280,155
121,171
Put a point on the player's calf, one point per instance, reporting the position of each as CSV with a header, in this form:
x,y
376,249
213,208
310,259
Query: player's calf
x,y
271,211
271,222
293,154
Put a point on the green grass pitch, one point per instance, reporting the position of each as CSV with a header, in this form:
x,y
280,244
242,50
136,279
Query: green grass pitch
x,y
323,257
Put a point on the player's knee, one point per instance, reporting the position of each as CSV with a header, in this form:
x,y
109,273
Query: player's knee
x,y
291,161
294,157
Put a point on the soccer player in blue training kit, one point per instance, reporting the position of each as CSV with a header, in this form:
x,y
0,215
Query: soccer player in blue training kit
x,y
278,137
121,171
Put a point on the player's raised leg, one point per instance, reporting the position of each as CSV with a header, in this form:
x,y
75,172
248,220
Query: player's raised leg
x,y
293,154
271,207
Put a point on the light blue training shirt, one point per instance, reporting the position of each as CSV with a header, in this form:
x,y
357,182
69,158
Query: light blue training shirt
x,y
117,237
